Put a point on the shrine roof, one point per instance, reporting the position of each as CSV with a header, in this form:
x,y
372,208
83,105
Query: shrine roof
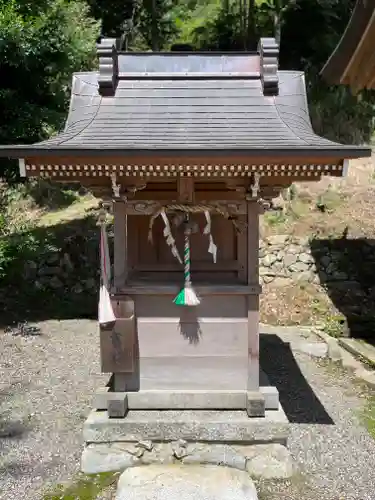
x,y
353,61
183,102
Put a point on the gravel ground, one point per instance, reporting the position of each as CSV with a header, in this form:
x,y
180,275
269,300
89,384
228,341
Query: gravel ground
x,y
333,449
46,387
47,384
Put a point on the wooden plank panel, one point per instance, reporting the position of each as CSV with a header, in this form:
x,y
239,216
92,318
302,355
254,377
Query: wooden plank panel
x,y
116,346
117,342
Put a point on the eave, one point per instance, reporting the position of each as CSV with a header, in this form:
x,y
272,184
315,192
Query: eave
x,y
339,152
353,61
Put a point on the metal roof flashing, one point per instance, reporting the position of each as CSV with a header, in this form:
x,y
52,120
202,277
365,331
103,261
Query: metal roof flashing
x,y
115,66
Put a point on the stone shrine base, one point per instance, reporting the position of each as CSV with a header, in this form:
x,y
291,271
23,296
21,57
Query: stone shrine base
x,y
228,438
115,398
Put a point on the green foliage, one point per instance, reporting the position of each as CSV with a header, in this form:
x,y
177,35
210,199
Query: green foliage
x,y
276,218
147,24
309,30
329,201
41,44
368,416
334,325
156,26
85,487
318,26
221,32
340,116
112,14
18,204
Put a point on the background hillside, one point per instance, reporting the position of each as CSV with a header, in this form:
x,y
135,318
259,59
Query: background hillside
x,y
44,228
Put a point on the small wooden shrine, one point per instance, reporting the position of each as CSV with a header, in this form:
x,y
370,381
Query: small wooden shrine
x,y
183,149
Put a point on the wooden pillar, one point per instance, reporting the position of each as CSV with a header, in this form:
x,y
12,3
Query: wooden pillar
x,y
120,345
253,211
120,267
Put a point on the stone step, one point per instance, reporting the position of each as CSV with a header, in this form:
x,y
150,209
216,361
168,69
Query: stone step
x,y
189,425
158,482
361,349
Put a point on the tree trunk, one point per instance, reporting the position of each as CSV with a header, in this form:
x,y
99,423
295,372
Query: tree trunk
x,y
251,38
225,5
277,21
244,26
154,27
241,21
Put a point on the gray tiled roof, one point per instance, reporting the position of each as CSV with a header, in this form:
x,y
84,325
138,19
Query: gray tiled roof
x,y
189,114
214,113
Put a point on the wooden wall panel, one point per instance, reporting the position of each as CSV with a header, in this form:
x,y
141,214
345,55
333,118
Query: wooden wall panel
x,y
156,258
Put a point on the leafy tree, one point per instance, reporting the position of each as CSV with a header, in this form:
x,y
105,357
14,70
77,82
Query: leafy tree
x,y
116,16
147,24
155,26
309,31
42,42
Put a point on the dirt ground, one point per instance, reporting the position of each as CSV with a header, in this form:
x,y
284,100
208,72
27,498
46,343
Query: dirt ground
x,y
348,205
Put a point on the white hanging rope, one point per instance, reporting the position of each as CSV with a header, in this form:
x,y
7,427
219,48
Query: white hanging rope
x,y
105,310
169,237
212,248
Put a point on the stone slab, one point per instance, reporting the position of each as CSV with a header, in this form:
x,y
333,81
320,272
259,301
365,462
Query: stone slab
x,y
271,397
333,348
118,406
268,461
367,376
190,400
349,361
314,349
102,457
361,349
210,426
270,393
101,397
290,333
158,482
185,399
255,404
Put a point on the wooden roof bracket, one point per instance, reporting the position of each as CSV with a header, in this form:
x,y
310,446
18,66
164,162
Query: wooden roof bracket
x,y
115,187
269,64
108,66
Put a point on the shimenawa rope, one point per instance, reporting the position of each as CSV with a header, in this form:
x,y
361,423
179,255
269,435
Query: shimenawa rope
x,y
187,296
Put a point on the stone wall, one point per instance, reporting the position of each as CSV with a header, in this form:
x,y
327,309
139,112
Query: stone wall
x,y
284,260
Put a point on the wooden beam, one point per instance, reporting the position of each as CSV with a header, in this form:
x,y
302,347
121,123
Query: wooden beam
x,y
120,244
253,209
185,189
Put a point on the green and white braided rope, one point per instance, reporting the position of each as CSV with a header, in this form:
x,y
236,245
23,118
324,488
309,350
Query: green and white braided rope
x,y
187,296
187,276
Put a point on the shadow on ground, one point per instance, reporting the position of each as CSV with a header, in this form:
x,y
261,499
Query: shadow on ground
x,y
297,398
350,281
11,428
51,273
